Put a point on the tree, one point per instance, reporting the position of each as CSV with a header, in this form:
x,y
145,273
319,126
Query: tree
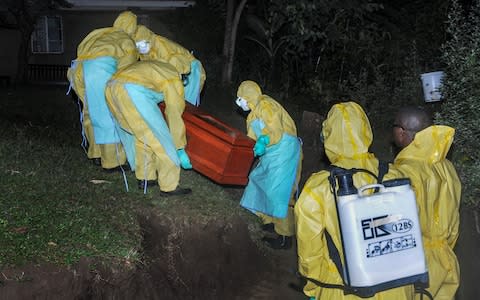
x,y
231,25
304,39
461,93
267,35
22,16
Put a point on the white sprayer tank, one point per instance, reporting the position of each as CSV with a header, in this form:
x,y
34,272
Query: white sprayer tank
x,y
382,239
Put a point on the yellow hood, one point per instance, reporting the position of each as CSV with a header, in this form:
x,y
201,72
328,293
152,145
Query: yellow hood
x,y
249,91
126,21
165,50
431,144
143,33
346,132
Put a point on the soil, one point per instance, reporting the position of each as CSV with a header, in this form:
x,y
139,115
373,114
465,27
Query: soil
x,y
182,260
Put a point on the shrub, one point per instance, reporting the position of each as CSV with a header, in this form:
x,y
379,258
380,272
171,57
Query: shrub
x,y
461,90
386,90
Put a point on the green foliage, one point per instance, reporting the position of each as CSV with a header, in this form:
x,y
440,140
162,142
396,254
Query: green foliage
x,y
327,38
378,91
382,96
326,48
461,90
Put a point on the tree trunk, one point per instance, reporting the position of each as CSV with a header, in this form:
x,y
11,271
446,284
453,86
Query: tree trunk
x,y
22,58
230,38
227,38
26,29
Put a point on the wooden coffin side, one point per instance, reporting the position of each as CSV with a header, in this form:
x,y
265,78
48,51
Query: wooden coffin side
x,y
216,127
238,166
216,158
216,150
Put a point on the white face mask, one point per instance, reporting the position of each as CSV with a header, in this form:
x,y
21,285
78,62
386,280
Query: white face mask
x,y
242,103
143,46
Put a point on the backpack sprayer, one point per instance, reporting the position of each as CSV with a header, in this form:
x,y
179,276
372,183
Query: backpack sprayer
x,y
381,235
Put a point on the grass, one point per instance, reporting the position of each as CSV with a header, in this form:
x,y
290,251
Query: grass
x,y
56,206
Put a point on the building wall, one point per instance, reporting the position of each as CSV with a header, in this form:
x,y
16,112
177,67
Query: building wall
x,y
77,25
9,52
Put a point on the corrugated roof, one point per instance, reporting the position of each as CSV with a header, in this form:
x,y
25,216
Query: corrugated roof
x,y
127,4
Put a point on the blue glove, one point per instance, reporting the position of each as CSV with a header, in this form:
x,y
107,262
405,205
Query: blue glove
x,y
184,159
261,145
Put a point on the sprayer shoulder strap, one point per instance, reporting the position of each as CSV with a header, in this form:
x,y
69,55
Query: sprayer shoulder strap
x,y
334,254
382,170
383,166
335,257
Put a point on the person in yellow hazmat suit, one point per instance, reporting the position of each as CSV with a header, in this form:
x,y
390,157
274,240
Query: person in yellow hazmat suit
x,y
100,54
155,145
422,158
156,47
273,182
347,136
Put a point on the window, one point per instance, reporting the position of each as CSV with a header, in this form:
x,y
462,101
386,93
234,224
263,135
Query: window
x,y
47,37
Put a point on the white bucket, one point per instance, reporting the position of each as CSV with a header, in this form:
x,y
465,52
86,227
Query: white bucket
x,y
431,83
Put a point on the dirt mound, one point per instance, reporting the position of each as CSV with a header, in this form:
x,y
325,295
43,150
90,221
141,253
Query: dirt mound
x,y
183,259
198,260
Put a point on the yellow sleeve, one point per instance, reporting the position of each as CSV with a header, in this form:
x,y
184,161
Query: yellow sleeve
x,y
127,60
454,197
75,76
271,117
203,75
310,227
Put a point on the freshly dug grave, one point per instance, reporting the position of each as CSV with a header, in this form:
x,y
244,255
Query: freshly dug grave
x,y
183,258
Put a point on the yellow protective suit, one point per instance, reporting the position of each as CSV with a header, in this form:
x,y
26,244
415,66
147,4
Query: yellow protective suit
x,y
151,158
438,190
116,42
168,51
277,122
347,138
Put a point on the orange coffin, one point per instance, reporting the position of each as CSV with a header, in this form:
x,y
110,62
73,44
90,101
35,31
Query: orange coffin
x,y
216,150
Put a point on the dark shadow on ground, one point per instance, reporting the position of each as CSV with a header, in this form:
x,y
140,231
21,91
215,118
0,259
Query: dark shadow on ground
x,y
182,259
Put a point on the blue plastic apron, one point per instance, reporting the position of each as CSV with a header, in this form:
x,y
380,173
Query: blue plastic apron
x,y
128,142
192,89
271,182
96,73
146,102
